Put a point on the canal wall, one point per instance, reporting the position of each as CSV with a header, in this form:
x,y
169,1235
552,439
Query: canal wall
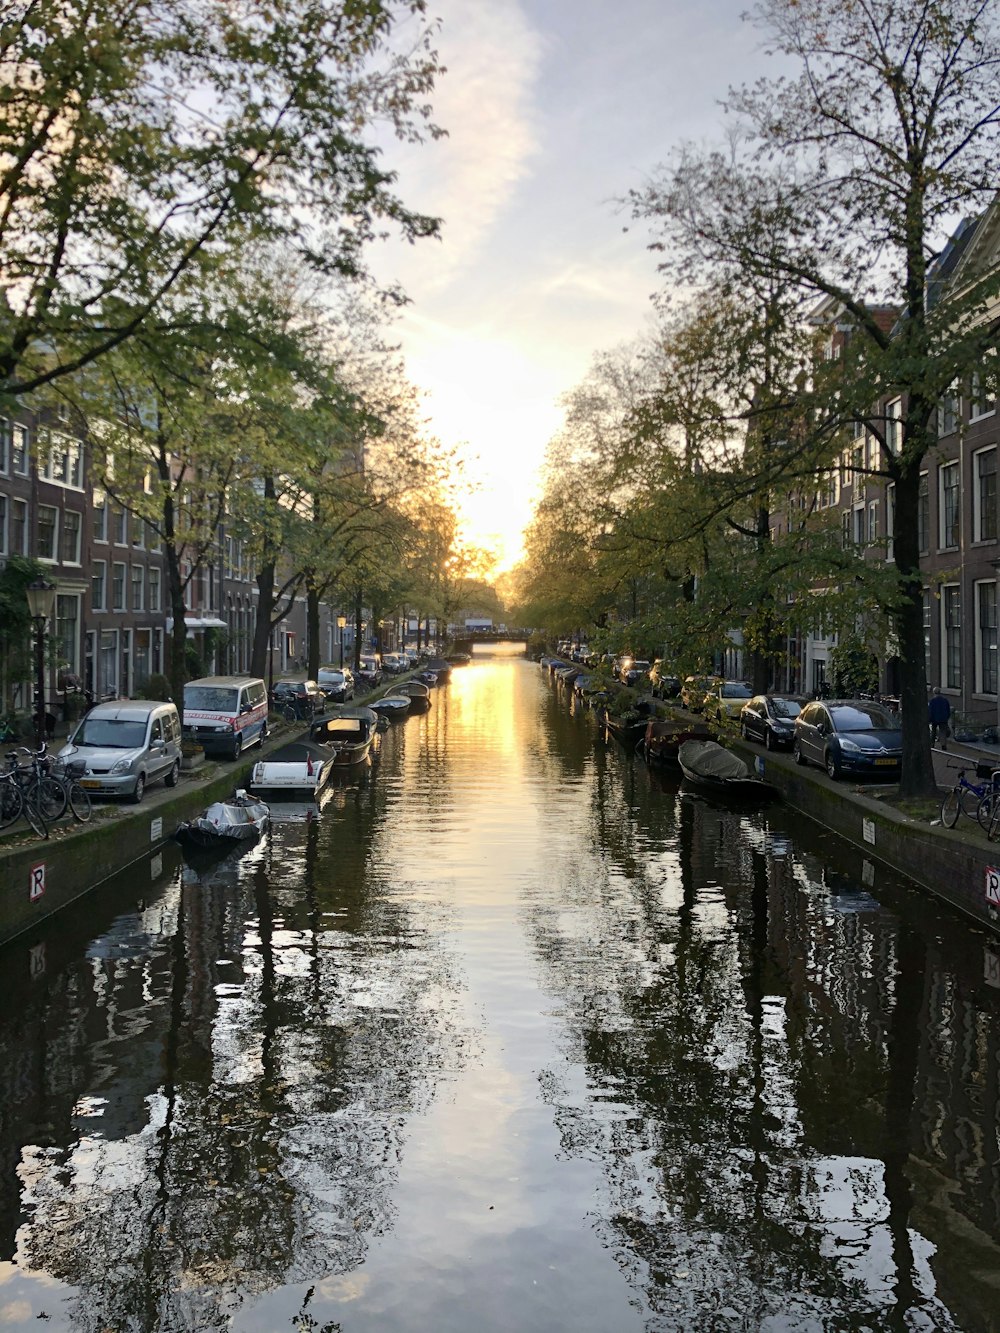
x,y
957,865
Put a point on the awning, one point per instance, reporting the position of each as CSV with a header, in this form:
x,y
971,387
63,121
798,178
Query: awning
x,y
198,622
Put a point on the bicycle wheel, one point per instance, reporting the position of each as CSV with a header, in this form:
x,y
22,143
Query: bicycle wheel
x,y
34,815
50,797
289,713
79,802
951,808
11,804
984,810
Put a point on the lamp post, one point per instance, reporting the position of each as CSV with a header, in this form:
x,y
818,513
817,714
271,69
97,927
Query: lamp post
x,y
41,603
341,622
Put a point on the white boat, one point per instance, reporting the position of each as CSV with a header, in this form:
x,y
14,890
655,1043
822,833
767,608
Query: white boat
x,y
224,823
298,770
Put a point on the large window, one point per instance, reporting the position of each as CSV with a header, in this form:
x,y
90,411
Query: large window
x,y
3,524
117,587
924,514
986,643
951,608
947,414
69,543
99,586
138,587
985,499
982,390
119,526
154,588
890,522
948,480
48,532
873,521
109,661
68,630
100,517
927,632
60,458
894,426
19,449
19,527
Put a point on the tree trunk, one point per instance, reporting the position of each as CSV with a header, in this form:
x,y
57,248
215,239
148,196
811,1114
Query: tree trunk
x,y
312,632
358,630
262,629
917,777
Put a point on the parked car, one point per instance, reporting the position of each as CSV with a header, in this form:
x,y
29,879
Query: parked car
x,y
637,674
126,745
726,699
770,719
394,664
849,736
370,671
297,699
696,689
225,714
337,683
663,684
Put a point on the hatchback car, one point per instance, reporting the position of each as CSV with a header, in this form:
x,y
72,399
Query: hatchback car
x,y
770,719
297,699
696,689
337,683
126,745
849,736
726,699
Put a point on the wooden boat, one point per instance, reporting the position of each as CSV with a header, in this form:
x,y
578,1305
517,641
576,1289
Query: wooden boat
x,y
348,734
627,728
224,823
715,771
298,770
392,706
664,737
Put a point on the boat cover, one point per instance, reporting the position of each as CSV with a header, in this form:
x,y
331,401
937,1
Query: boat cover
x,y
297,752
709,760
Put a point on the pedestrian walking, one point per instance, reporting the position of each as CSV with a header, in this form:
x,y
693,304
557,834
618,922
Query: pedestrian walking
x,y
938,715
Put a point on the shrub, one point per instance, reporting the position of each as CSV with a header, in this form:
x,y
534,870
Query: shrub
x,y
157,687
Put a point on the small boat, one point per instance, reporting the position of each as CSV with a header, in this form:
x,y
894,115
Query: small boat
x,y
664,737
630,727
348,734
715,771
458,659
415,692
392,706
440,667
428,677
224,823
299,770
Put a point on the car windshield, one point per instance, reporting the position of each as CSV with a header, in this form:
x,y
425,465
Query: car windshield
x,y
210,698
863,717
111,733
785,708
735,691
331,676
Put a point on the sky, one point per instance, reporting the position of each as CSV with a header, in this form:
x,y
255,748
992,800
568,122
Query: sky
x,y
554,110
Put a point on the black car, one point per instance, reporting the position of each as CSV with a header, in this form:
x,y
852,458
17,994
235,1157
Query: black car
x,y
337,683
849,736
297,699
664,685
770,719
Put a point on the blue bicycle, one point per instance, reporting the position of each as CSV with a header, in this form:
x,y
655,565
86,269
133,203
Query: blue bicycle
x,y
977,800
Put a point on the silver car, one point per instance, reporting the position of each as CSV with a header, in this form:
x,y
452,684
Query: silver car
x,y
126,745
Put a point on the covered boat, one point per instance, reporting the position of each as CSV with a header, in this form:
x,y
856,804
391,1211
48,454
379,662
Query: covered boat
x,y
347,735
298,770
708,767
241,819
664,737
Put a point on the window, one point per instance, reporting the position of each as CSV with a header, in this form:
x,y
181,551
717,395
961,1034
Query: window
x,y
951,605
948,482
138,531
982,393
60,458
4,445
119,526
927,632
986,642
3,525
890,522
138,587
858,529
100,517
99,586
924,514
947,414
19,449
69,545
48,531
109,661
985,497
19,527
67,630
846,523
118,587
873,521
894,426
154,588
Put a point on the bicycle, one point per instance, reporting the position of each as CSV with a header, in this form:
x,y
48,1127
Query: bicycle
x,y
14,803
984,796
33,779
77,798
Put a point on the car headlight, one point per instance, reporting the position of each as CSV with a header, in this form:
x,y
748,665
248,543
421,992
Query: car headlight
x,y
122,766
850,747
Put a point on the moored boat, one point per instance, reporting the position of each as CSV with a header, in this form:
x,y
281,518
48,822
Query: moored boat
x,y
710,768
240,819
347,735
299,770
418,694
393,706
663,738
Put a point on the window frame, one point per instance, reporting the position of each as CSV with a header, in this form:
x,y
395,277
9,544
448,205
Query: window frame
x,y
949,504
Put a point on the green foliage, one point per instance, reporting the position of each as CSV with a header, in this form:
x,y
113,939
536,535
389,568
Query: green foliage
x,y
16,662
157,687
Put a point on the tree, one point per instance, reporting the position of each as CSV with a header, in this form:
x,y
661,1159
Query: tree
x,y
846,188
139,138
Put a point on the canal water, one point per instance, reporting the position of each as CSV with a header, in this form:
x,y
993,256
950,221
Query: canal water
x,y
514,1034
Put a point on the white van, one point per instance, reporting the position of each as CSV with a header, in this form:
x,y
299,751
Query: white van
x,y
225,714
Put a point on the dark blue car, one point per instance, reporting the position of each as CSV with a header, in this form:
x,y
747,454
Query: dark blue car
x,y
849,736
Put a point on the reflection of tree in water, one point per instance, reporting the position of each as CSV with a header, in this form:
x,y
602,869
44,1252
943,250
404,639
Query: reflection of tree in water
x,y
749,1104
300,1022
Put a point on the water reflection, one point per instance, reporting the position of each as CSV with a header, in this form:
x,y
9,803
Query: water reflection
x,y
509,1024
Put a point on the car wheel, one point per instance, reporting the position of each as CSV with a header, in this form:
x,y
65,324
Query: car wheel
x,y
174,774
832,765
769,741
263,733
140,789
797,754
237,746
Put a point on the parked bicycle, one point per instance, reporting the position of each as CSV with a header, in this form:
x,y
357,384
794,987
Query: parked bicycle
x,y
15,802
76,797
34,780
976,800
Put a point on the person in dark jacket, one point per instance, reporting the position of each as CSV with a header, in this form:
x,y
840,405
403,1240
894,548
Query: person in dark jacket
x,y
938,714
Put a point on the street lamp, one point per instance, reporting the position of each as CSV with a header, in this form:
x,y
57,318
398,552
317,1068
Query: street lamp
x,y
41,603
341,622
